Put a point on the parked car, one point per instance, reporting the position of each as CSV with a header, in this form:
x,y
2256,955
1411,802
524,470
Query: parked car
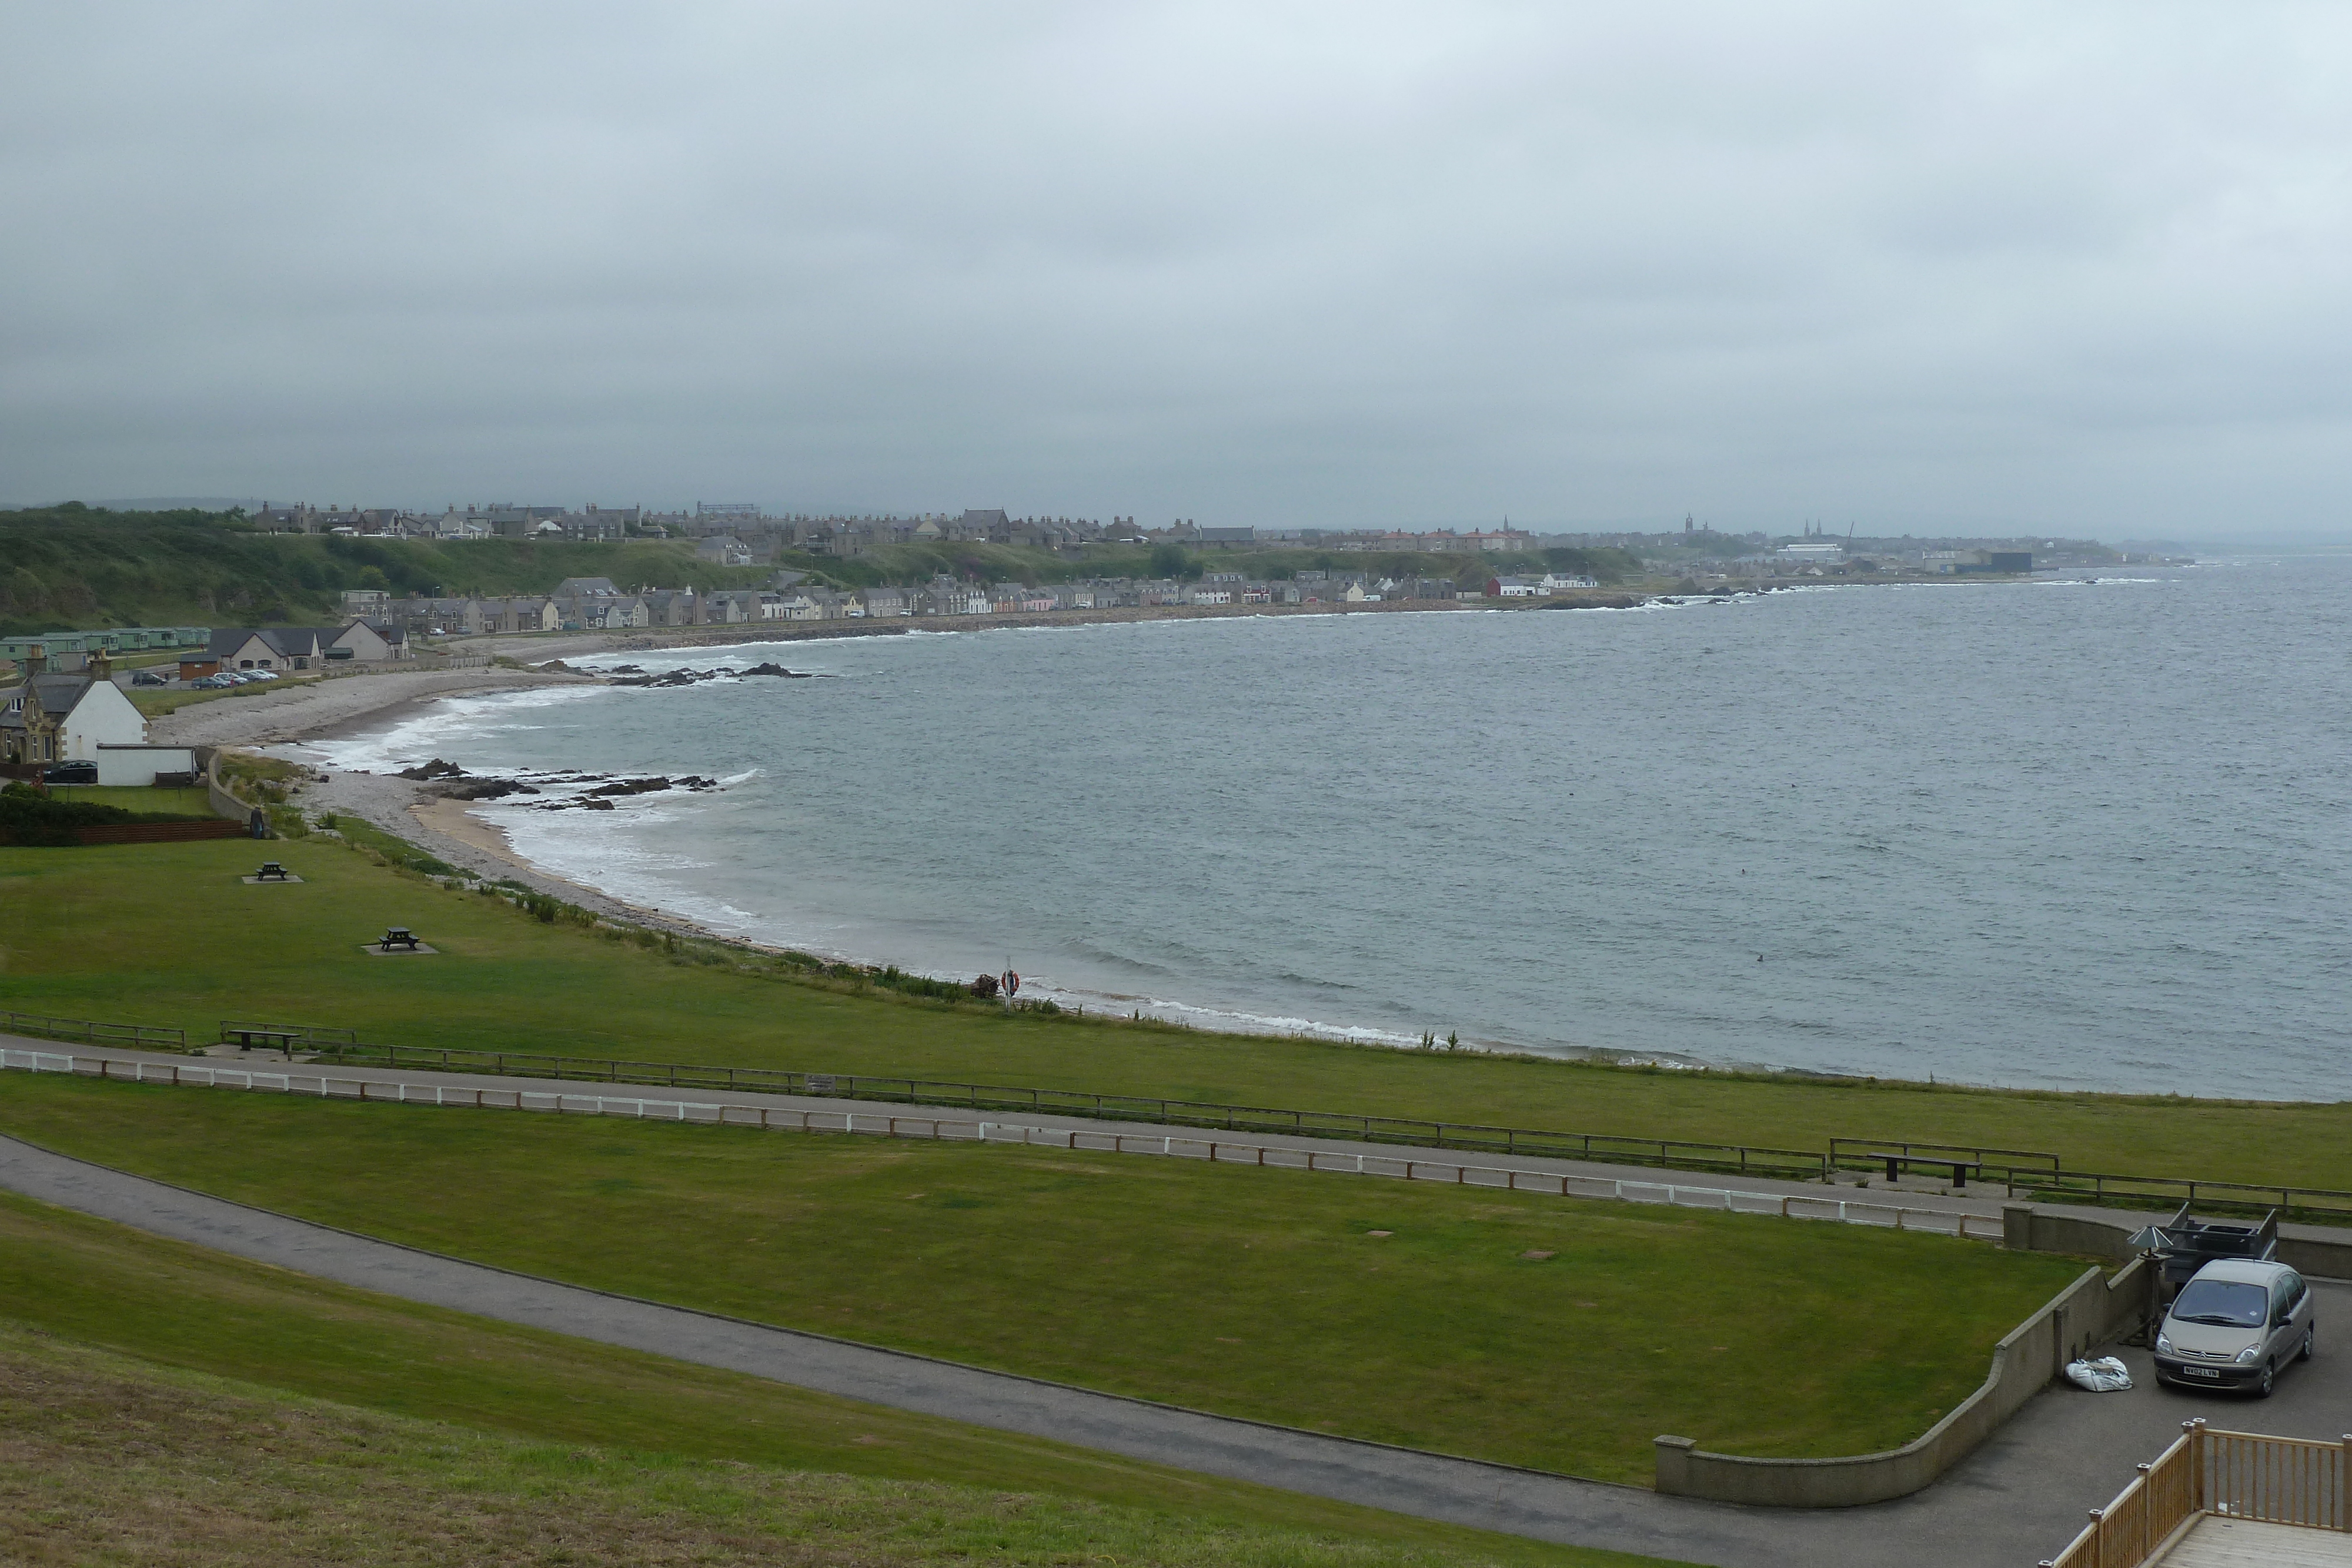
x,y
70,773
148,678
2233,1326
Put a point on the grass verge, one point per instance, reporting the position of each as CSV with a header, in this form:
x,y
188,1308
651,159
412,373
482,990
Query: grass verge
x,y
196,803
1555,1333
105,932
160,1402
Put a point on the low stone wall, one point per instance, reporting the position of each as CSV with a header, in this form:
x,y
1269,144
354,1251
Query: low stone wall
x,y
2320,1260
2029,1229
224,804
2088,1312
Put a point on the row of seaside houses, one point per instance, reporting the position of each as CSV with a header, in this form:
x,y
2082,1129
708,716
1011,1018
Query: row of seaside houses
x,y
595,604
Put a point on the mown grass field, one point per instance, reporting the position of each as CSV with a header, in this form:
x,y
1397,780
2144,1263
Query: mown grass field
x,y
166,935
194,802
1555,1333
160,1402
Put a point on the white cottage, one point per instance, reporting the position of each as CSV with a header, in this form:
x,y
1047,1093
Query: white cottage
x,y
85,717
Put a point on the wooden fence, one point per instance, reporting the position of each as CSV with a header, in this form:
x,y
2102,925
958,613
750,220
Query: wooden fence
x,y
1216,1151
2239,1474
1726,1159
132,1034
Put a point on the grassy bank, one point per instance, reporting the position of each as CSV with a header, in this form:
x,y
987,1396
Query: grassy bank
x,y
76,567
154,1392
106,933
1467,1320
196,803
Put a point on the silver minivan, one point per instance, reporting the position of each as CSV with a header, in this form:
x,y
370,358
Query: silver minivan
x,y
2233,1326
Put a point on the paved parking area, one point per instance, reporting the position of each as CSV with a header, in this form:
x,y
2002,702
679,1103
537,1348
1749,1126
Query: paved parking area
x,y
2029,1488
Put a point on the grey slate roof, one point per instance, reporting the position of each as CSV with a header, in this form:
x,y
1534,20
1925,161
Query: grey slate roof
x,y
58,694
290,641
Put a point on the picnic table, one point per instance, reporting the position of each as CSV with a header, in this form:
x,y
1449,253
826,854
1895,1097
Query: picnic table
x,y
399,937
271,872
268,1039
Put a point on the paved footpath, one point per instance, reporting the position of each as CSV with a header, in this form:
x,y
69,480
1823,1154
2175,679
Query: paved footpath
x,y
2015,1501
1983,1202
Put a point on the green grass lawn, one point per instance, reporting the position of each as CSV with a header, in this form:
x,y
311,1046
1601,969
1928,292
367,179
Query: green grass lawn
x,y
1557,1333
130,797
165,935
150,1389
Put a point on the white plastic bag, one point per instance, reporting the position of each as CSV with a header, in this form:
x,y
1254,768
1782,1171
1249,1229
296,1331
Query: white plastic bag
x,y
2105,1375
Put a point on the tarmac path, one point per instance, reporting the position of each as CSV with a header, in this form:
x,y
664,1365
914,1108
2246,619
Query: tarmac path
x,y
2015,1501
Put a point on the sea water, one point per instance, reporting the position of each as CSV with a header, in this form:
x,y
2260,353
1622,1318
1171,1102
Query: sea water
x,y
2058,832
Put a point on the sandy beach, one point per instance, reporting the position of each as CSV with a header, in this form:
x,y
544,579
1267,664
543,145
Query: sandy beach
x,y
282,720
318,710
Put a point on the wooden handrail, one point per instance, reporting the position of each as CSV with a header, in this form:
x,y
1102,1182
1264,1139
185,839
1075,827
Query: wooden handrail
x,y
2239,1474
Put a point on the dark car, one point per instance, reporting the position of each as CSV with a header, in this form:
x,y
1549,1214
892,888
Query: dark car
x,y
70,773
148,678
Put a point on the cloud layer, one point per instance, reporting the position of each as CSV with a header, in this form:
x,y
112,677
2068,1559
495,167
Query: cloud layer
x,y
1339,264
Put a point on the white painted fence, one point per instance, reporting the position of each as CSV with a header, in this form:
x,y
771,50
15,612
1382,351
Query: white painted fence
x,y
1790,1205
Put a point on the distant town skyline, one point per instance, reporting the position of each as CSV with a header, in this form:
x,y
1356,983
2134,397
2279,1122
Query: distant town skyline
x,y
1997,270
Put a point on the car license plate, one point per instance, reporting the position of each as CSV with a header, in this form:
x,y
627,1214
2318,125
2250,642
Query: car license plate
x,y
2200,1372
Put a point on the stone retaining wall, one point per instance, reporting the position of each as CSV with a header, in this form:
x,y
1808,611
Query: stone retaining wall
x,y
2090,1311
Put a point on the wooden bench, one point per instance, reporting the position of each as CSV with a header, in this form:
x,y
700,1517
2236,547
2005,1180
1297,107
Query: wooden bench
x,y
1960,1169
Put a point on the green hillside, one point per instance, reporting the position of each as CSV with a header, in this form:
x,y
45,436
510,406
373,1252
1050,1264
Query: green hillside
x,y
69,567
72,567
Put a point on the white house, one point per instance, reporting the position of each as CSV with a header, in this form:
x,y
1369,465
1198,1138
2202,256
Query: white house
x,y
1517,588
85,717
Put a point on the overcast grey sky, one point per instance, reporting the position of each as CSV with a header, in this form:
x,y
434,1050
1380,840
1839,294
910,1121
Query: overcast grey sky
x,y
2078,266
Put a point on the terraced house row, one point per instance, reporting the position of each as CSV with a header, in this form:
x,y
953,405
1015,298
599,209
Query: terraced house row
x,y
596,604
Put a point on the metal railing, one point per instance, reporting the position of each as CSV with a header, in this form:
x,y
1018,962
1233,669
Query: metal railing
x,y
2237,1475
1216,1151
2040,1182
2037,1182
2323,1206
1862,1154
2040,1177
1669,1153
132,1034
